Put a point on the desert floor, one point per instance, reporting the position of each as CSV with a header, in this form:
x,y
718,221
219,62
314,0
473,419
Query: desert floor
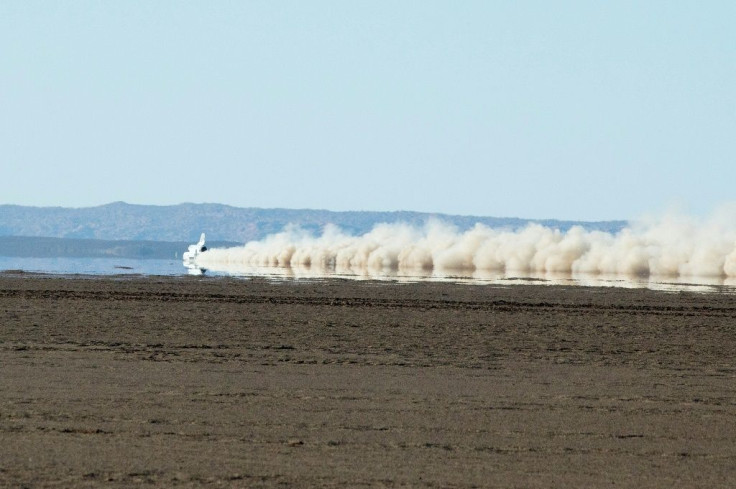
x,y
148,381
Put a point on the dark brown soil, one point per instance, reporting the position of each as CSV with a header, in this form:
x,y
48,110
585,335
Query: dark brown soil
x,y
122,382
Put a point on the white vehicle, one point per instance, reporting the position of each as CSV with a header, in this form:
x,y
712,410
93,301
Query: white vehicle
x,y
190,256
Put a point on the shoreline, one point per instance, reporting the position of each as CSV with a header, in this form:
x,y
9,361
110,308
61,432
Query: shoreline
x,y
703,285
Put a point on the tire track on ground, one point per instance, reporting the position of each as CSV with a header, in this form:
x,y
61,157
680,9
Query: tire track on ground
x,y
500,305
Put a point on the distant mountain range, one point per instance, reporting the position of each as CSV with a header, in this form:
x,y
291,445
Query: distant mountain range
x,y
184,222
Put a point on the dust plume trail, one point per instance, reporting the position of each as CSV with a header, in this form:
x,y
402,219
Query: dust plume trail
x,y
671,246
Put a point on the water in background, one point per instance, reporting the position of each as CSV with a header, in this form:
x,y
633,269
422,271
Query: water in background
x,y
93,266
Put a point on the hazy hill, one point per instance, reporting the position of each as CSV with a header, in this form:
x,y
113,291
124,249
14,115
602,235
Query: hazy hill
x,y
184,222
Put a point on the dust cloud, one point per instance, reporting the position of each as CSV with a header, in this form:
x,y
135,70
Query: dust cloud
x,y
669,246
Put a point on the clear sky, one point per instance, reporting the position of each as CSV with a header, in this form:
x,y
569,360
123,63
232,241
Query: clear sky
x,y
572,110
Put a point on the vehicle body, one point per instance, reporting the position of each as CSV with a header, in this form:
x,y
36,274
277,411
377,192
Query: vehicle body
x,y
190,256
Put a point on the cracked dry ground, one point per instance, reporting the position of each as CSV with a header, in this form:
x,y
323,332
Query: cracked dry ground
x,y
159,382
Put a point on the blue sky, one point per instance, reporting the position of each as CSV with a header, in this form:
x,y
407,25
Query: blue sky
x,y
571,110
